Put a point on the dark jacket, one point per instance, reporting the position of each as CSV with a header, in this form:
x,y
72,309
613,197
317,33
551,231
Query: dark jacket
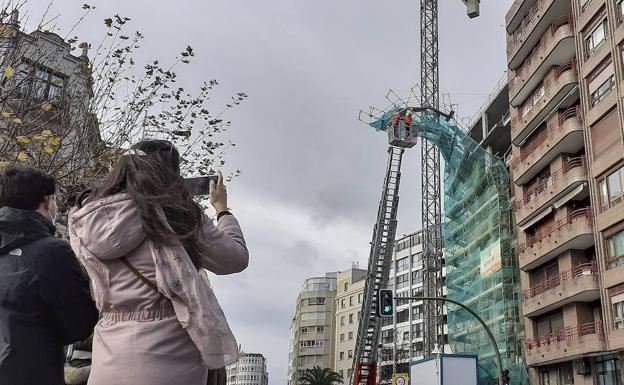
x,y
45,302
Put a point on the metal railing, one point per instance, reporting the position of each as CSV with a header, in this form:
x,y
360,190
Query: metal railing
x,y
551,129
565,335
535,55
529,18
556,178
561,280
550,80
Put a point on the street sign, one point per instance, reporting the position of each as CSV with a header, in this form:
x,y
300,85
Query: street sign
x,y
400,379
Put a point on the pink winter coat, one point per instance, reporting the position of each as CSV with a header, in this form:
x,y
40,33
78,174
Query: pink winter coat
x,y
142,337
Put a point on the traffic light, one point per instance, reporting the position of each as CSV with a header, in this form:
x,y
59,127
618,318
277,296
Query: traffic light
x,y
506,378
385,303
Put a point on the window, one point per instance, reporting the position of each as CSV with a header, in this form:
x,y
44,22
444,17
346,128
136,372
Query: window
x,y
346,286
402,316
387,336
343,303
417,312
350,336
349,371
402,281
611,189
596,37
350,318
608,371
617,305
350,355
403,264
620,10
614,244
341,372
548,273
604,138
351,301
417,277
342,321
320,329
557,375
312,344
316,301
549,323
342,337
401,302
417,331
360,297
417,260
312,316
417,292
342,355
601,81
304,330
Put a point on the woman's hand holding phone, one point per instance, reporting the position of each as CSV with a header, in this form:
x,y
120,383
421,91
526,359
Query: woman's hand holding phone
x,y
218,194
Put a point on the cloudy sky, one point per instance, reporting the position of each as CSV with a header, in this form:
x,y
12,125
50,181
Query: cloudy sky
x,y
312,173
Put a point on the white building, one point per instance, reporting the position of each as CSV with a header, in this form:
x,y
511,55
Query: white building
x,y
251,369
401,338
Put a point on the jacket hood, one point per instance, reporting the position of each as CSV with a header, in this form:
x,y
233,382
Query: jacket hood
x,y
21,227
108,227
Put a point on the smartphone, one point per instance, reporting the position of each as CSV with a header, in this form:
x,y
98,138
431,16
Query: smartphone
x,y
200,185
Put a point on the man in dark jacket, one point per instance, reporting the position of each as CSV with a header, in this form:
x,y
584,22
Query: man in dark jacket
x,y
45,301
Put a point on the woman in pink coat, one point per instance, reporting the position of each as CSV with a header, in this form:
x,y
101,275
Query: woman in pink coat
x,y
142,239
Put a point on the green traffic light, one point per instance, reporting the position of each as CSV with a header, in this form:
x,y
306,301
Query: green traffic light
x,y
388,309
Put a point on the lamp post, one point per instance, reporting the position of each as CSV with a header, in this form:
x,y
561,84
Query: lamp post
x,y
499,362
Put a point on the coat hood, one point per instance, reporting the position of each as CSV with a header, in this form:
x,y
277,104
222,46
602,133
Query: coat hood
x,y
21,227
108,227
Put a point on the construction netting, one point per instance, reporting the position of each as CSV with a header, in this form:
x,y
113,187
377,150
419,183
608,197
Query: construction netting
x,y
481,270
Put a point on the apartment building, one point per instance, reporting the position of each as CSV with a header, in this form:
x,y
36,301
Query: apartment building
x,y
251,369
312,330
349,297
565,93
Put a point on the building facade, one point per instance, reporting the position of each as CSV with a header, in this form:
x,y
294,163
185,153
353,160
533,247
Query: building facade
x,y
312,331
349,296
401,338
565,93
251,369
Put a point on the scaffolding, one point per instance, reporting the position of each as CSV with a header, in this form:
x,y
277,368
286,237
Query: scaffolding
x,y
481,267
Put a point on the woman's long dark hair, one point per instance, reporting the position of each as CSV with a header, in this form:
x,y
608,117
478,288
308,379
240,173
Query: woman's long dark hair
x,y
154,182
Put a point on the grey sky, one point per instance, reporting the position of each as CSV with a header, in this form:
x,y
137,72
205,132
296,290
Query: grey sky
x,y
312,173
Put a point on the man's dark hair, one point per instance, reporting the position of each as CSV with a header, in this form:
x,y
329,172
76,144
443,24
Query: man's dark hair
x,y
23,187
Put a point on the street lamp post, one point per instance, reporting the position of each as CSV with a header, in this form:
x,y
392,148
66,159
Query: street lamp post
x,y
487,329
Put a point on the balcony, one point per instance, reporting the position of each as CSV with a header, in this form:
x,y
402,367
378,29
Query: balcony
x,y
580,284
564,345
563,134
555,46
560,90
522,36
562,185
572,232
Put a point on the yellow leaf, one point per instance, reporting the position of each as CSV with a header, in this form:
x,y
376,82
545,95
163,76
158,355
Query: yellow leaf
x,y
8,72
46,106
22,156
23,139
37,137
47,149
4,165
6,114
46,133
17,120
55,141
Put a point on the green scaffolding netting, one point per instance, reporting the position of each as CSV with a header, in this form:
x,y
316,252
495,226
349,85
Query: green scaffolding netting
x,y
481,270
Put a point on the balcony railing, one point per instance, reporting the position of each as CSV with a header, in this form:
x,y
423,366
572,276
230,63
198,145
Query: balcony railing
x,y
536,53
525,25
569,335
561,279
581,214
553,127
551,80
557,178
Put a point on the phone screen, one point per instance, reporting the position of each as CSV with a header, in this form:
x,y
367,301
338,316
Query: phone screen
x,y
199,185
